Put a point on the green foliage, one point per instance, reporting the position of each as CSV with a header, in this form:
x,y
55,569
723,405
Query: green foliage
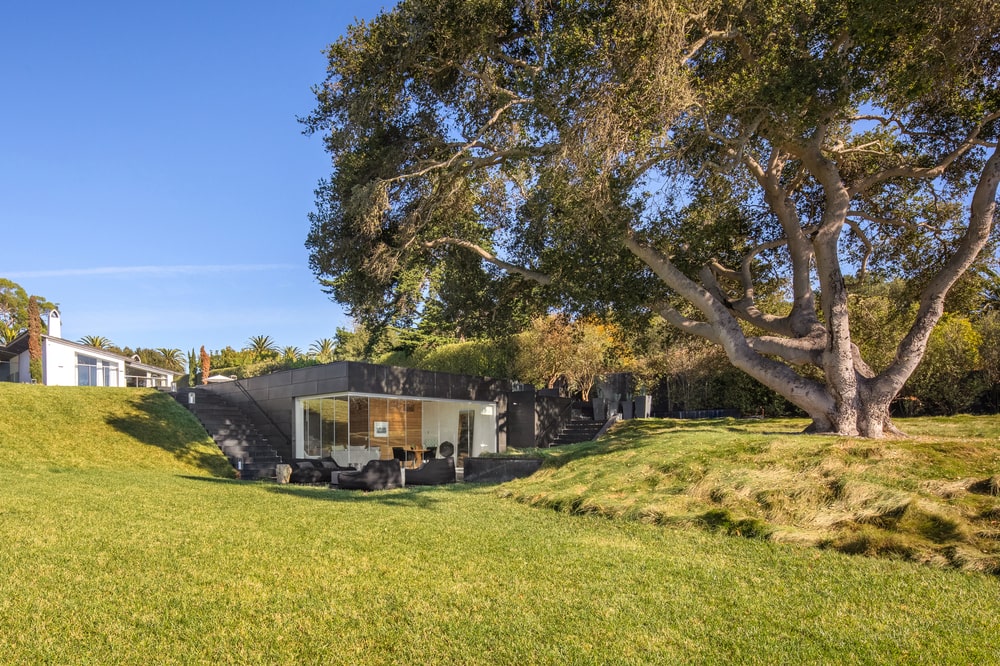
x,y
323,349
483,358
947,381
172,359
193,368
97,341
262,347
14,316
265,367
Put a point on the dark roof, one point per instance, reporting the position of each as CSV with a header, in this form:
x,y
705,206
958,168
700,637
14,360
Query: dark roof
x,y
17,346
20,344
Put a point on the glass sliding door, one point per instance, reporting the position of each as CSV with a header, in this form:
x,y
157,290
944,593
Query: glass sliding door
x,y
466,433
312,427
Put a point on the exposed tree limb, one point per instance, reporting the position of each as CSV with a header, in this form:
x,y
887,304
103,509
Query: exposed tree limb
x,y
536,276
925,173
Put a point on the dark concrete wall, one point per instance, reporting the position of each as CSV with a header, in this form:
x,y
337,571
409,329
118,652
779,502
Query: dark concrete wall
x,y
518,420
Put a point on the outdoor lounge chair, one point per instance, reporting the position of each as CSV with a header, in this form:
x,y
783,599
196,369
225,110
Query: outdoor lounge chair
x,y
315,471
432,473
375,475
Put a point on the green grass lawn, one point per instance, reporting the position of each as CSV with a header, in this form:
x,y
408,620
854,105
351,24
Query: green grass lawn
x,y
112,561
933,497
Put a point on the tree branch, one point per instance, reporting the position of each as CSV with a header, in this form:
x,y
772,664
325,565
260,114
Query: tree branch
x,y
536,276
802,351
982,211
924,173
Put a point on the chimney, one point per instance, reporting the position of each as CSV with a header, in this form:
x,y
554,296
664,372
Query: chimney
x,y
55,324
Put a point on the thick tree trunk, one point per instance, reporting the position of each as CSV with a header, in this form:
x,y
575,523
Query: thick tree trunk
x,y
866,418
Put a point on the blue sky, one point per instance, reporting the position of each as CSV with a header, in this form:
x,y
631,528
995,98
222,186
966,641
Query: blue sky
x,y
154,181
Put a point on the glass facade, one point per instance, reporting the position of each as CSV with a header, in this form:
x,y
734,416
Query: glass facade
x,y
92,371
354,428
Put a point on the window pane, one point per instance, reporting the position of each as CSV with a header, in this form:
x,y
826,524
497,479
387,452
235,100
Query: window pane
x,y
414,424
396,415
329,421
340,417
466,420
359,421
313,427
86,370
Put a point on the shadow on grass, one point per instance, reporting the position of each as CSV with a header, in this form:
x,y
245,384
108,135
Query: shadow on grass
x,y
420,497
163,423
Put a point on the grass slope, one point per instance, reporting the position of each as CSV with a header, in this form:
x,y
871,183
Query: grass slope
x,y
138,564
87,427
932,497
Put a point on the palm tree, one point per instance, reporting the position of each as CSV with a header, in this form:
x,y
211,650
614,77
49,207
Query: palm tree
x,y
291,353
261,346
322,349
174,358
98,341
7,333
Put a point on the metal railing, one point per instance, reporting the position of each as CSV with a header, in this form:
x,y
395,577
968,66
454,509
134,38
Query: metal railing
x,y
260,409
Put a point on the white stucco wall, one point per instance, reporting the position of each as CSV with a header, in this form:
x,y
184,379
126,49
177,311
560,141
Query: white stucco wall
x,y
23,367
60,367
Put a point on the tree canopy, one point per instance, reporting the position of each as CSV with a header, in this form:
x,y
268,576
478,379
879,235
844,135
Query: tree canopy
x,y
14,307
657,157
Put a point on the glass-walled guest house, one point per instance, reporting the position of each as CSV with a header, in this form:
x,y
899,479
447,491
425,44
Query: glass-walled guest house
x,y
355,412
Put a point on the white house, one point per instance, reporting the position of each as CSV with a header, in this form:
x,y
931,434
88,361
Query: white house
x,y
66,363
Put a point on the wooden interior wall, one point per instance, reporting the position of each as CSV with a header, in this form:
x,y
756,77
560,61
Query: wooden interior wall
x,y
414,424
359,422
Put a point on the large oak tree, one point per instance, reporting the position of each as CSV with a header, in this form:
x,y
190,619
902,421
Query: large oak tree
x,y
670,157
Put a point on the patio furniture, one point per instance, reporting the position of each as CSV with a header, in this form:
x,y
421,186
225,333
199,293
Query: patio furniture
x,y
315,471
434,472
375,475
404,456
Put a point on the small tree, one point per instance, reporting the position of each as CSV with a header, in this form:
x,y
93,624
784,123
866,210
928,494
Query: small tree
x,y
206,365
192,367
545,350
589,361
262,347
322,349
96,341
34,340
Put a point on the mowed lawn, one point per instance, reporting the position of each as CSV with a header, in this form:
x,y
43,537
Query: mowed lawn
x,y
116,562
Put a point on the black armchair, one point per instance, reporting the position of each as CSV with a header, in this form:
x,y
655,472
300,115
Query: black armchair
x,y
432,473
402,455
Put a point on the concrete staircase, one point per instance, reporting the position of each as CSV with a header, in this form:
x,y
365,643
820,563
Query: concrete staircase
x,y
235,433
578,429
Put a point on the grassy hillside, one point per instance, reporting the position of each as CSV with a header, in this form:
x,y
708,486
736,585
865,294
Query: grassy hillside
x,y
120,546
59,427
932,497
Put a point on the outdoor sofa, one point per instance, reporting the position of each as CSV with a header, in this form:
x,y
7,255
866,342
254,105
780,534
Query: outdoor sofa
x,y
375,475
434,472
